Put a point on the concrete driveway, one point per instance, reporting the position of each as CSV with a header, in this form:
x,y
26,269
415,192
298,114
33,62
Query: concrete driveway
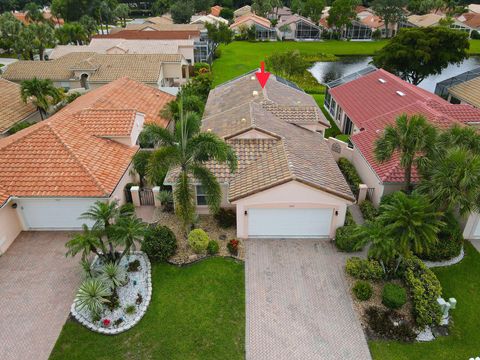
x,y
37,287
297,303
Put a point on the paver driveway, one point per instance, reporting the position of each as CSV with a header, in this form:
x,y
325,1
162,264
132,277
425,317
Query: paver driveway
x,y
297,303
37,287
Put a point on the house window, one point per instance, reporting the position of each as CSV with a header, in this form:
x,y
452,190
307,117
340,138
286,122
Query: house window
x,y
201,196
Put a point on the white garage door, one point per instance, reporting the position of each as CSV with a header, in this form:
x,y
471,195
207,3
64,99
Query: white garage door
x,y
59,214
289,222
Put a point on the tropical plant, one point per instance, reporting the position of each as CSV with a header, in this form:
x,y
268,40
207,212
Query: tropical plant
x,y
86,242
198,240
159,243
412,137
73,32
89,24
122,11
42,92
390,11
113,275
128,232
10,28
92,295
44,37
186,151
285,28
33,12
88,268
140,162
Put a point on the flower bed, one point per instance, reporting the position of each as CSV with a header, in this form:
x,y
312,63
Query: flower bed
x,y
135,296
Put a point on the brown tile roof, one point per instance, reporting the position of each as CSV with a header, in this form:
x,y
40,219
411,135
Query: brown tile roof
x,y
106,67
12,108
151,35
164,19
471,19
66,155
468,91
251,17
289,153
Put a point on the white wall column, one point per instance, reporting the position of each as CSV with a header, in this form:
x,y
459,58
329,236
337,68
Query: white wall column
x,y
135,190
362,193
156,200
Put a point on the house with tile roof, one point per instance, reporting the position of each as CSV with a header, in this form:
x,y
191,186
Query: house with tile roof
x,y
91,70
12,108
263,27
53,171
287,183
208,19
467,92
363,106
244,10
300,28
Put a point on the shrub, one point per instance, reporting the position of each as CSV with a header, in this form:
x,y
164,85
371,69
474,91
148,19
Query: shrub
x,y
130,309
212,247
364,269
344,239
93,294
217,53
393,296
368,210
201,68
380,322
377,34
350,173
425,289
113,275
475,35
449,244
133,266
159,243
349,219
19,126
362,290
198,240
232,247
226,218
166,199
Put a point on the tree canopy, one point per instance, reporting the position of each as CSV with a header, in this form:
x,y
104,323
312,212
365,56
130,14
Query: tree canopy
x,y
342,12
390,11
182,11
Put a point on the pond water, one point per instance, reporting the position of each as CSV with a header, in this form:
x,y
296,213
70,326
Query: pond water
x,y
328,71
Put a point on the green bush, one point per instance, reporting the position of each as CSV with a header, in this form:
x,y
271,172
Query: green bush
x,y
377,34
349,219
226,218
350,173
475,35
212,247
198,240
368,210
362,290
159,243
364,269
425,290
344,239
393,296
201,68
449,244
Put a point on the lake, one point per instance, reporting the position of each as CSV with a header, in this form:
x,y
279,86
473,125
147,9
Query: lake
x,y
328,71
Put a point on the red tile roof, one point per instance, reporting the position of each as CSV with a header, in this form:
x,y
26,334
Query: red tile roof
x,y
151,35
215,10
107,122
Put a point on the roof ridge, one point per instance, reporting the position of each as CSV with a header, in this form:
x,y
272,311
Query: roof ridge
x,y
72,153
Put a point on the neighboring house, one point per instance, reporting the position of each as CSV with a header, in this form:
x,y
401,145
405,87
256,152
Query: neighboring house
x,y
124,46
12,108
203,47
244,10
164,19
91,70
279,13
470,20
287,183
467,92
208,19
474,8
263,27
47,15
53,171
300,28
443,87
216,10
432,19
375,23
365,105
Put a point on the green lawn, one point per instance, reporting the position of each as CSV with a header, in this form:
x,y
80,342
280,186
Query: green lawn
x,y
461,281
197,312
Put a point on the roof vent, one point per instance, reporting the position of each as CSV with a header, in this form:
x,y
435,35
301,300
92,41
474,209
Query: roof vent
x,y
252,77
243,120
255,93
209,130
399,93
383,81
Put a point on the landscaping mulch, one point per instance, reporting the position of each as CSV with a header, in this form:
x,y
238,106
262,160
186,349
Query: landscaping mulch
x,y
185,254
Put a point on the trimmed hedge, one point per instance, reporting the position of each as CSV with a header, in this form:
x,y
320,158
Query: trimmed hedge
x,y
364,269
198,240
369,211
213,247
159,243
362,290
393,296
425,289
344,239
350,173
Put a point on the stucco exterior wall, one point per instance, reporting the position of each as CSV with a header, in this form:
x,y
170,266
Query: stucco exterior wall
x,y
119,193
203,209
171,70
288,195
187,52
340,149
10,226
368,176
470,230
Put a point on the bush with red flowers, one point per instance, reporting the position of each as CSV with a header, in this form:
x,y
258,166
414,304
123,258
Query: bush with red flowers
x,y
232,247
106,322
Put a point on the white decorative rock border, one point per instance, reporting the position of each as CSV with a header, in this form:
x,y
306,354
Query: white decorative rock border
x,y
132,320
453,261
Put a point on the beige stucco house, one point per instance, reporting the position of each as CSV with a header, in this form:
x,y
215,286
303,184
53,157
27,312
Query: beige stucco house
x,y
287,184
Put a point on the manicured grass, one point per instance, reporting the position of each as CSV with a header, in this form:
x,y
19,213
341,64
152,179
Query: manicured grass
x,y
461,281
333,131
197,312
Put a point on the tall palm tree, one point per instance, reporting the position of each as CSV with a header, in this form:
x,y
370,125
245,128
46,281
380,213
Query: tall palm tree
x,y
86,242
44,37
187,150
412,137
465,137
42,92
128,232
411,222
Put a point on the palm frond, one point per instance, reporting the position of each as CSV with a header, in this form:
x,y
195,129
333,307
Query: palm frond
x,y
210,185
207,146
155,135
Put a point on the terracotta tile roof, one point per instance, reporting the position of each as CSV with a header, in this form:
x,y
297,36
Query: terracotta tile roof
x,y
470,19
164,19
151,35
140,67
163,27
66,155
372,21
468,91
289,19
289,152
125,94
425,20
251,17
215,10
47,15
12,108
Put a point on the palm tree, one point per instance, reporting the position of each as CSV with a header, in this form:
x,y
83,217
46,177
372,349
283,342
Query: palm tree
x,y
33,12
128,232
411,222
465,137
188,150
87,242
44,37
412,137
122,11
42,92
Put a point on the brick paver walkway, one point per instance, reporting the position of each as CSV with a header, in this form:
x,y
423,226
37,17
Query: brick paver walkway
x,y
37,287
297,303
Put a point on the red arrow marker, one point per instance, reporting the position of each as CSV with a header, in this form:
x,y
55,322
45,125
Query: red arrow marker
x,y
262,76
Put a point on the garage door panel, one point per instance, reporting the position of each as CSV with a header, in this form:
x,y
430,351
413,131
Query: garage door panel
x,y
289,222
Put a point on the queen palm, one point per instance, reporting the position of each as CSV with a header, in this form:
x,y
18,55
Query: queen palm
x,y
412,137
42,92
86,243
128,232
185,152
